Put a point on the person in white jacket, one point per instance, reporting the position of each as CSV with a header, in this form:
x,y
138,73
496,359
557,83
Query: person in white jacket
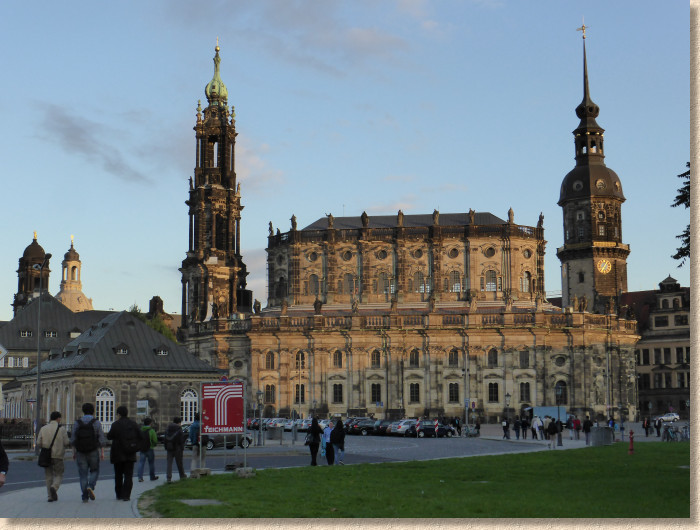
x,y
54,473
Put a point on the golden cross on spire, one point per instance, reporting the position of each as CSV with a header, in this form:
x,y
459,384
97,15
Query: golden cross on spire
x,y
34,234
217,44
583,29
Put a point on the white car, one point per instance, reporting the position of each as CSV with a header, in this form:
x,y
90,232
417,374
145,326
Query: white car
x,y
669,417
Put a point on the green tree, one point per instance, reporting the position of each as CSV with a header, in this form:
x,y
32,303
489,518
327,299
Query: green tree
x,y
155,323
683,199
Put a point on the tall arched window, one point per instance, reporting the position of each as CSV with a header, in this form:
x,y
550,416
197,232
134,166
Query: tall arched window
x,y
455,284
104,407
269,361
375,359
561,393
492,358
413,359
269,393
493,392
491,280
348,284
188,405
300,360
337,359
382,283
453,358
419,282
313,285
281,288
74,273
525,282
524,392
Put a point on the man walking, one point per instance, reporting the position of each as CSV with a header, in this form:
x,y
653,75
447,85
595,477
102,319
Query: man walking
x,y
88,439
587,424
149,455
4,465
175,445
126,440
54,436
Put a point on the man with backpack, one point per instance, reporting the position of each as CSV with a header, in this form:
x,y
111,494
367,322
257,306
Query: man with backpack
x,y
147,451
87,438
126,443
175,445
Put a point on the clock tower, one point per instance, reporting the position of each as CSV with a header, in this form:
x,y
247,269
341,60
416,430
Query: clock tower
x,y
593,258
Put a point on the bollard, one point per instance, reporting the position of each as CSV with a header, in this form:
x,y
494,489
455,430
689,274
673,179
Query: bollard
x,y
631,450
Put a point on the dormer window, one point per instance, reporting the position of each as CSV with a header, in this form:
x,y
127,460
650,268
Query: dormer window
x,y
161,350
121,349
51,334
25,333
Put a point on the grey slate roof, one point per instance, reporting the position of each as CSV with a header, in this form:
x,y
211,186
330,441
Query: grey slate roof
x,y
96,349
409,221
54,317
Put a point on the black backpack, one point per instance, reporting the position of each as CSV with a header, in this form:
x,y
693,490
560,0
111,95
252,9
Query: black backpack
x,y
170,440
132,442
145,439
86,437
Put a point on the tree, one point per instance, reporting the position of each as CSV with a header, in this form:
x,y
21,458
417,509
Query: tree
x,y
683,199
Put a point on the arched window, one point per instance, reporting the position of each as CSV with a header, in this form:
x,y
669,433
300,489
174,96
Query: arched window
x,y
413,359
561,393
676,303
664,304
281,288
453,358
269,361
419,283
524,392
74,273
104,407
269,393
188,405
491,280
382,283
300,360
375,359
348,284
337,359
492,358
455,284
313,285
525,282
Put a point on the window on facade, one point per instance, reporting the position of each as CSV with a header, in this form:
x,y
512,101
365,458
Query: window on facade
x,y
25,333
657,355
561,393
413,359
313,285
687,354
580,232
455,285
658,381
644,382
453,358
300,360
269,361
681,380
299,396
337,359
493,392
51,334
667,380
601,230
382,283
676,303
188,405
269,393
491,280
376,391
525,282
281,289
680,320
414,393
375,359
664,303
419,283
104,407
161,351
524,392
645,357
348,284
337,393
667,355
453,393
581,277
525,359
661,322
492,360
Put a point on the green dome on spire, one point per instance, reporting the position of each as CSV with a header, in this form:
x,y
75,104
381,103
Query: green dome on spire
x,y
216,91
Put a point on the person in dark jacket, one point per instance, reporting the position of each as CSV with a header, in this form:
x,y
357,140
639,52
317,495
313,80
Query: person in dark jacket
x,y
315,432
122,459
175,445
4,465
338,442
552,430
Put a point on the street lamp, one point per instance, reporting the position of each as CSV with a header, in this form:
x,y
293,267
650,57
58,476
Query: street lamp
x,y
39,268
259,395
507,404
558,390
313,413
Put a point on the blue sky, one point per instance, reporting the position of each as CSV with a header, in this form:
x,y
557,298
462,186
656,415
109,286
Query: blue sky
x,y
340,107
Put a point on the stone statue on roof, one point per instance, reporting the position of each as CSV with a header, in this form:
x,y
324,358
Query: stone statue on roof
x,y
436,217
399,218
271,229
330,220
294,222
511,216
365,219
472,213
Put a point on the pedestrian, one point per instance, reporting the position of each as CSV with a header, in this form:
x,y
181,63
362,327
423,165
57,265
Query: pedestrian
x,y
88,441
126,442
313,436
338,441
622,429
533,427
330,455
570,427
174,445
4,465
552,429
516,427
587,424
524,426
506,430
477,426
150,454
645,426
657,424
195,438
545,427
577,427
54,436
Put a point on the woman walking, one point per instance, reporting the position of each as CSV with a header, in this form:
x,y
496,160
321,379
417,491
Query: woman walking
x,y
314,433
338,441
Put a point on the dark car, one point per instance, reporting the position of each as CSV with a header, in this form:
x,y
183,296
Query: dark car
x,y
363,427
380,427
426,429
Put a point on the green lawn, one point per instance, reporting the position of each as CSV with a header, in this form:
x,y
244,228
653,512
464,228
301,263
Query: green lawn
x,y
592,482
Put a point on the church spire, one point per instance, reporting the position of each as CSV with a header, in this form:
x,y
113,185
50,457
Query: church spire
x,y
588,134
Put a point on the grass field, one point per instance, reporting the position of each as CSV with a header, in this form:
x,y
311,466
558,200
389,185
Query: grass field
x,y
600,482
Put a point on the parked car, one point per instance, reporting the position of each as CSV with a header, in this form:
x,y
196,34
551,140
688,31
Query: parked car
x,y
391,428
363,427
217,440
669,417
304,425
380,427
351,420
426,429
402,427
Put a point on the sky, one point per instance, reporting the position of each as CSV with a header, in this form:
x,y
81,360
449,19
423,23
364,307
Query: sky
x,y
341,107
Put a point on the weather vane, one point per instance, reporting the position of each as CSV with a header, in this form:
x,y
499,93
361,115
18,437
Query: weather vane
x,y
583,29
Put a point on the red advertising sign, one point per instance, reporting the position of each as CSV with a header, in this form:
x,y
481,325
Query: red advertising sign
x,y
223,410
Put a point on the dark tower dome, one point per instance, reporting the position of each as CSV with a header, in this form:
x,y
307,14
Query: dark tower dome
x,y
590,181
71,255
34,251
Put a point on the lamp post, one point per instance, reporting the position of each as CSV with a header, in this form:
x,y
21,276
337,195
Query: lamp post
x,y
259,395
507,422
39,268
313,412
558,390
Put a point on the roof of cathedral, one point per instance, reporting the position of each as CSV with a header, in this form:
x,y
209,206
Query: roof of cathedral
x,y
216,90
54,317
34,250
121,341
409,221
71,255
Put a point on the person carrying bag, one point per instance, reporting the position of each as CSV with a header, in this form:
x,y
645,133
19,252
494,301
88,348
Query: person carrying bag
x,y
51,457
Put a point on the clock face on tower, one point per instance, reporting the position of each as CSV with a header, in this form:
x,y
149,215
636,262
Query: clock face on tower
x,y
604,266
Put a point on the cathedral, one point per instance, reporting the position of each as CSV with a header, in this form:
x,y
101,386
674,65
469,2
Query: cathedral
x,y
413,315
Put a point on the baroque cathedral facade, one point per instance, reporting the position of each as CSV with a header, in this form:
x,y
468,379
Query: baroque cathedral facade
x,y
413,315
